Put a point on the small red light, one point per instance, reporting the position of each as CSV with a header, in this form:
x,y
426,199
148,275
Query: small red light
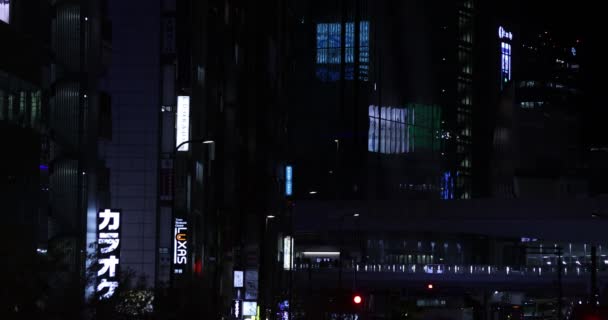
x,y
198,266
357,299
430,286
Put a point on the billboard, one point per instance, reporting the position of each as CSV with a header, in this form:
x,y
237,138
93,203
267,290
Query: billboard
x,y
251,284
180,245
288,180
108,252
5,10
250,308
287,253
238,279
182,122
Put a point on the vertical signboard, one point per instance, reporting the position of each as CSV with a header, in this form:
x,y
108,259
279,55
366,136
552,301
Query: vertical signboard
x,y
505,53
287,253
182,125
251,284
5,10
288,180
236,309
180,245
108,252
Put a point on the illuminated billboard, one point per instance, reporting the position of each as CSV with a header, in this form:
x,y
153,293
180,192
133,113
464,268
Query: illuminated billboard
x,y
180,245
238,279
399,130
287,253
108,252
288,180
5,10
250,308
505,55
182,122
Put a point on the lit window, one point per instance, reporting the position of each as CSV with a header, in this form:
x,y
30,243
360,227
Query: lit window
x,y
329,50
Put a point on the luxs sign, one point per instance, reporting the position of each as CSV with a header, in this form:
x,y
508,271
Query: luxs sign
x,y
108,252
180,245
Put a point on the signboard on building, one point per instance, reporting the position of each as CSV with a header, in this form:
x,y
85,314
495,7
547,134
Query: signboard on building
x,y
108,252
251,284
236,309
180,246
182,125
287,253
288,180
238,279
250,308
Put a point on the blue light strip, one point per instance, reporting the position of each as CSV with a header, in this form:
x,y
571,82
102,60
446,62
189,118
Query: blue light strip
x,y
288,180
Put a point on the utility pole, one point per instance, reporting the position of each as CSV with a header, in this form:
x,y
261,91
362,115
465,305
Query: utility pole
x,y
559,283
594,291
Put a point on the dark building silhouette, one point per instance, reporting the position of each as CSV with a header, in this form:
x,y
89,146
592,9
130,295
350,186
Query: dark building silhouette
x,y
539,134
229,99
53,115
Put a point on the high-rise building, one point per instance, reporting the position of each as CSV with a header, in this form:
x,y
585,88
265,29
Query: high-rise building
x,y
133,81
406,125
53,116
539,150
77,121
223,132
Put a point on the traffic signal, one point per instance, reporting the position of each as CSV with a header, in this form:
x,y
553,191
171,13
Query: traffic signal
x,y
430,286
357,299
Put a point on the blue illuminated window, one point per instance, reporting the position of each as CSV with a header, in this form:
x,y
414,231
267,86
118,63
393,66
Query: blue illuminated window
x,y
447,186
329,50
505,56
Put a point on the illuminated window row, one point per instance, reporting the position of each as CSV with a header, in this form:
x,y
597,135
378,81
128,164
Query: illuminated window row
x,y
466,132
22,106
466,163
529,84
464,110
466,37
531,104
463,119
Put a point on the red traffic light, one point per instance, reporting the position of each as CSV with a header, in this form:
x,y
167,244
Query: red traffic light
x,y
357,299
429,286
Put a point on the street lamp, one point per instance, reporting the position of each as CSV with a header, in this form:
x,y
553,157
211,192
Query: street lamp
x,y
203,141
